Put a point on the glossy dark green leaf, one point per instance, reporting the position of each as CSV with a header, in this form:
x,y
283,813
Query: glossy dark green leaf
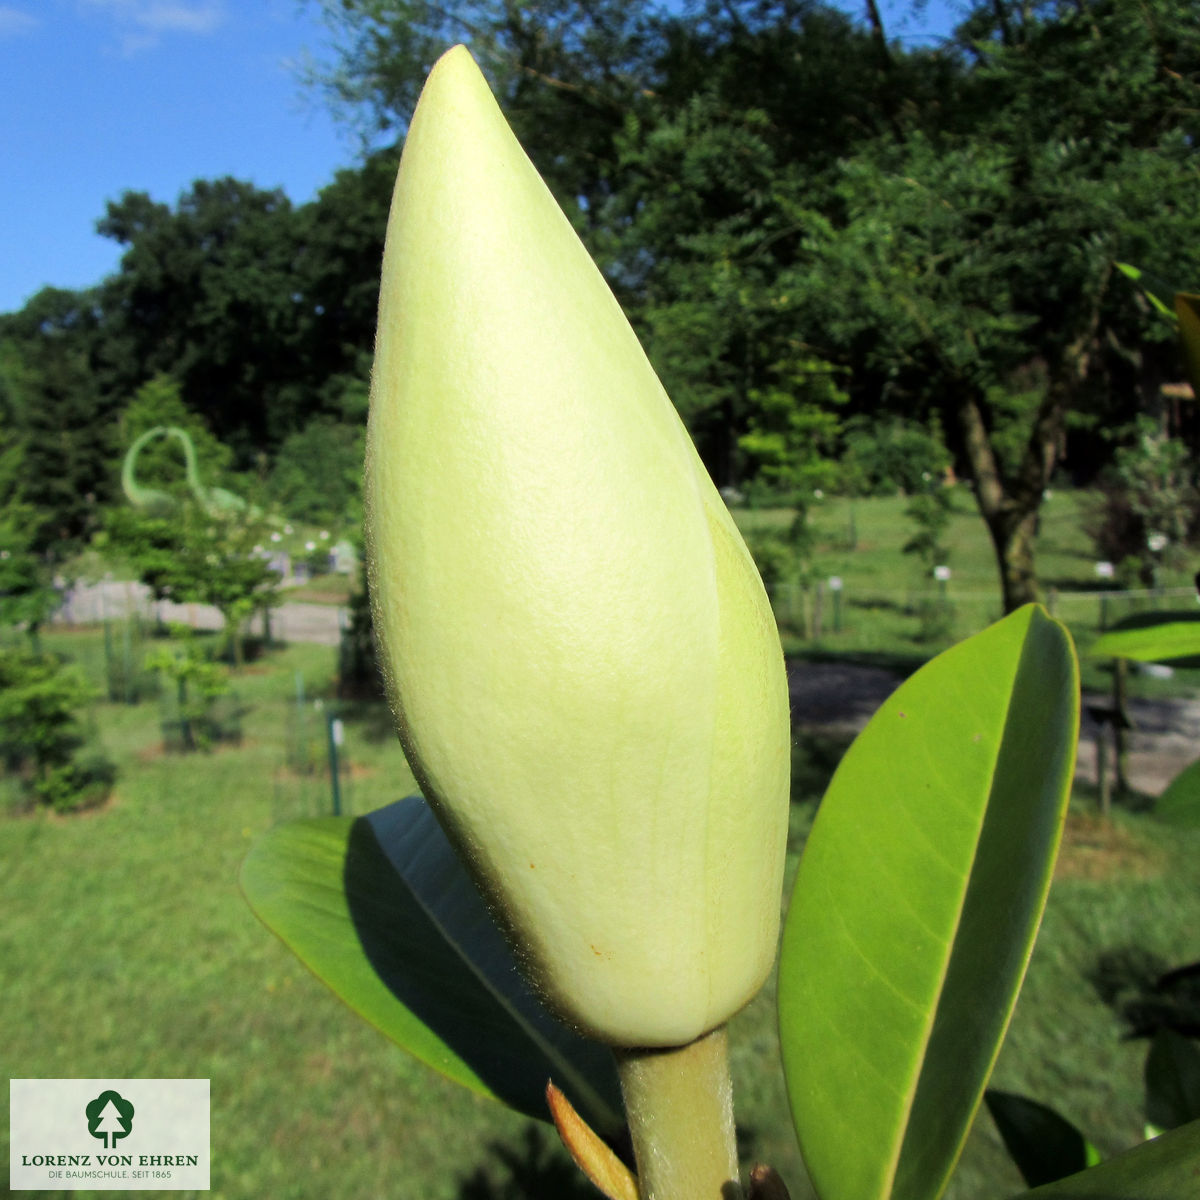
x,y
379,909
1167,1168
1044,1145
1151,637
916,904
1172,1080
1180,803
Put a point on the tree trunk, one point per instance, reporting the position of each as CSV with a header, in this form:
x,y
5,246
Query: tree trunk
x,y
1010,507
1013,535
875,20
1010,512
233,636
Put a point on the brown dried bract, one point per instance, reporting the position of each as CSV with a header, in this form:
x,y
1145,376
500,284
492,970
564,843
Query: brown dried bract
x,y
766,1184
592,1155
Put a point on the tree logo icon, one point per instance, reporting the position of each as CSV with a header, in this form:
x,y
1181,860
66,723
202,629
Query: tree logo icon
x,y
109,1117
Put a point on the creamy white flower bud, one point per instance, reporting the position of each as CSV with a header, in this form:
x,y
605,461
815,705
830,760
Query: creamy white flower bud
x,y
582,661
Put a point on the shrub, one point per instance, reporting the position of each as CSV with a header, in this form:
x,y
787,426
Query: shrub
x,y
931,511
40,735
317,470
1151,506
82,783
884,457
199,685
359,676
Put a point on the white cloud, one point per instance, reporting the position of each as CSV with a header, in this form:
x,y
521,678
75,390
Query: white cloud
x,y
14,21
165,16
142,23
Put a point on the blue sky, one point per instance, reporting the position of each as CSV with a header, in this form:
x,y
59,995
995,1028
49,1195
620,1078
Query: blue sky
x,y
98,97
102,96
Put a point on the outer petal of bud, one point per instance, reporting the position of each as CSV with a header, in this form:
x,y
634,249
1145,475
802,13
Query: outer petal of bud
x,y
580,656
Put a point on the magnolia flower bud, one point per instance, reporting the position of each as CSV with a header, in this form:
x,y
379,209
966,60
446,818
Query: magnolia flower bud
x,y
581,660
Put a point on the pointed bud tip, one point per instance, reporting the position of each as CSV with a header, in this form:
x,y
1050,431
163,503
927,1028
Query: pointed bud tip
x,y
456,68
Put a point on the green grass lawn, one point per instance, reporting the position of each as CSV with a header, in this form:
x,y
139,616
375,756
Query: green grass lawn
x,y
883,589
127,950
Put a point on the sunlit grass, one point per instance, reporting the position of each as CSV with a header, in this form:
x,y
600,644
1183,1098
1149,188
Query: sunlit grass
x,y
128,950
884,590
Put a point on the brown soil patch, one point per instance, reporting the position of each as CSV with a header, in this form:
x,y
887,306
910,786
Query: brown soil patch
x,y
1098,850
43,812
350,771
82,814
156,750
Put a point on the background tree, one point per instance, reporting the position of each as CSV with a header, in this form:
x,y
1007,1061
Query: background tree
x,y
56,418
263,313
196,556
339,248
27,593
318,472
207,294
199,684
970,273
160,463
567,73
769,184
40,735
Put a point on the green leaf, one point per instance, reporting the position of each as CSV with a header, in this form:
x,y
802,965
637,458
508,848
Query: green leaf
x,y
1168,1168
380,910
1151,637
1044,1145
916,905
1152,287
1180,803
1187,309
1172,1080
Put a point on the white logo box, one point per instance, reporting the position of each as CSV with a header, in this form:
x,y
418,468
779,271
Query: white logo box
x,y
52,1149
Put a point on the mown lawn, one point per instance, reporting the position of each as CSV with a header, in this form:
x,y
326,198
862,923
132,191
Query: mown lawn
x,y
126,949
862,541
889,605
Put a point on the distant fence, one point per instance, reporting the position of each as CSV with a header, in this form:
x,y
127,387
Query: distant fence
x,y
1110,607
330,757
822,611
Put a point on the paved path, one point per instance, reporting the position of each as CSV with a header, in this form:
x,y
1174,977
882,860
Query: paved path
x,y
1165,738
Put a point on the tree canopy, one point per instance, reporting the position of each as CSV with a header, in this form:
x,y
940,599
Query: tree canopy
x,y
810,224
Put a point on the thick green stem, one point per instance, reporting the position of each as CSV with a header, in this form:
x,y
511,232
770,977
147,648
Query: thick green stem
x,y
679,1103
